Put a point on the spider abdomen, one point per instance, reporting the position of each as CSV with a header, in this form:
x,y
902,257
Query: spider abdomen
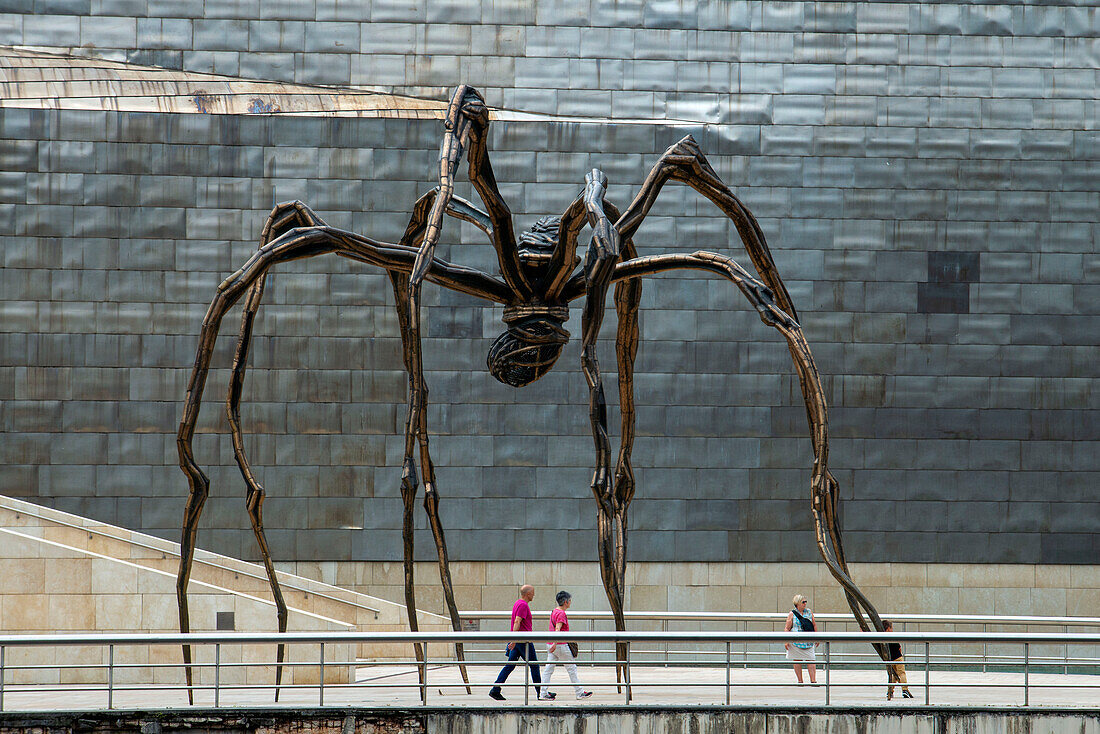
x,y
530,346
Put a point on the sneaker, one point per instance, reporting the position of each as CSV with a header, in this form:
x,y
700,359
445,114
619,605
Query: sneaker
x,y
906,694
583,694
548,696
495,693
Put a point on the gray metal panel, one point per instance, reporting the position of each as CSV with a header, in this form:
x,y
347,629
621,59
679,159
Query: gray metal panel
x,y
864,136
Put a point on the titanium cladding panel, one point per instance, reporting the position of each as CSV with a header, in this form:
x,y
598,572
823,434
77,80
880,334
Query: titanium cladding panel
x,y
925,174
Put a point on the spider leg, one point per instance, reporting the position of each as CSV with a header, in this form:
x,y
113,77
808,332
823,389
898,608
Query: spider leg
x,y
466,111
564,259
296,244
685,162
481,174
628,297
413,237
823,486
282,218
229,292
603,254
400,284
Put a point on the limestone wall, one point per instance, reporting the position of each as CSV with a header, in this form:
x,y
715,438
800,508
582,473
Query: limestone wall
x,y
895,588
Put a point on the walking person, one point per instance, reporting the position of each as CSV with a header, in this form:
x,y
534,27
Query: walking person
x,y
563,653
895,669
521,622
801,619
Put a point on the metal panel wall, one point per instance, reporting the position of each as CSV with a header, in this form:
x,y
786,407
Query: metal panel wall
x,y
926,174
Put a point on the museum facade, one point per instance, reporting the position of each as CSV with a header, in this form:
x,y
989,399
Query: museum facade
x,y
925,174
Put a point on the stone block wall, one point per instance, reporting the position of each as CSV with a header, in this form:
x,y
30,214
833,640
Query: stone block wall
x,y
924,172
62,576
743,586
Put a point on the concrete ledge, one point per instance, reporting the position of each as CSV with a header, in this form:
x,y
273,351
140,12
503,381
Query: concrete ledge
x,y
555,720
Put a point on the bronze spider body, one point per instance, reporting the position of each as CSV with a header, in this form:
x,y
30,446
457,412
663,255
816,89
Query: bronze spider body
x,y
539,279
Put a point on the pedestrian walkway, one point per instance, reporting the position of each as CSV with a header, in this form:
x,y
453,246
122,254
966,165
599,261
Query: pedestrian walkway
x,y
651,686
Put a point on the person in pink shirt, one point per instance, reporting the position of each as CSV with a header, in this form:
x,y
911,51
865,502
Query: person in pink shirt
x,y
521,622
559,652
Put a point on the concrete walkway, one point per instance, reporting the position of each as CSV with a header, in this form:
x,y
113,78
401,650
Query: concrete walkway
x,y
385,686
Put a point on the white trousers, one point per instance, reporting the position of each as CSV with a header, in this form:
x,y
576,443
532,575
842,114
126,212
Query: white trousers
x,y
560,655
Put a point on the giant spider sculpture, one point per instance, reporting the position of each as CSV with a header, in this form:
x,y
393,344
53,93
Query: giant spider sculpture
x,y
539,279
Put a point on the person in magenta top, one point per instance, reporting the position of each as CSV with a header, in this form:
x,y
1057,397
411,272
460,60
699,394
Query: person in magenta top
x,y
521,615
559,652
521,622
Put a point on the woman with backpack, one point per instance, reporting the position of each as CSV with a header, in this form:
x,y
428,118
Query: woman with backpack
x,y
801,619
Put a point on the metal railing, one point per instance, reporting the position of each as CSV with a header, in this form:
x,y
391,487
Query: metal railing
x,y
144,670
726,618
748,621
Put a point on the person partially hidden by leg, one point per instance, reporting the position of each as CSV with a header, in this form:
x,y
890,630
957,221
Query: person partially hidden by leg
x,y
895,669
521,622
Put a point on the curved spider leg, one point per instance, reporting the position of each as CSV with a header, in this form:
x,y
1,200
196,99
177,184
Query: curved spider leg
x,y
628,294
685,162
599,266
458,125
564,259
283,217
628,298
823,485
293,245
414,235
400,284
484,181
229,292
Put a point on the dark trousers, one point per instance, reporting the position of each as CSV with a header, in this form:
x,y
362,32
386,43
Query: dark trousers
x,y
524,650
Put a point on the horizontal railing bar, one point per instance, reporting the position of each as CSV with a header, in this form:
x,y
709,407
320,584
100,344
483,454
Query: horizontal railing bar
x,y
337,638
87,688
818,616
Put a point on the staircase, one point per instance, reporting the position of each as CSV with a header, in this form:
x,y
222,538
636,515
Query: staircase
x,y
65,573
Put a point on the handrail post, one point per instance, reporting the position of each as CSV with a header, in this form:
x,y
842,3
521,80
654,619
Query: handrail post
x,y
321,681
626,671
985,647
745,646
664,629
927,677
828,667
1027,670
2,671
217,674
727,673
526,674
424,676
110,676
1065,651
